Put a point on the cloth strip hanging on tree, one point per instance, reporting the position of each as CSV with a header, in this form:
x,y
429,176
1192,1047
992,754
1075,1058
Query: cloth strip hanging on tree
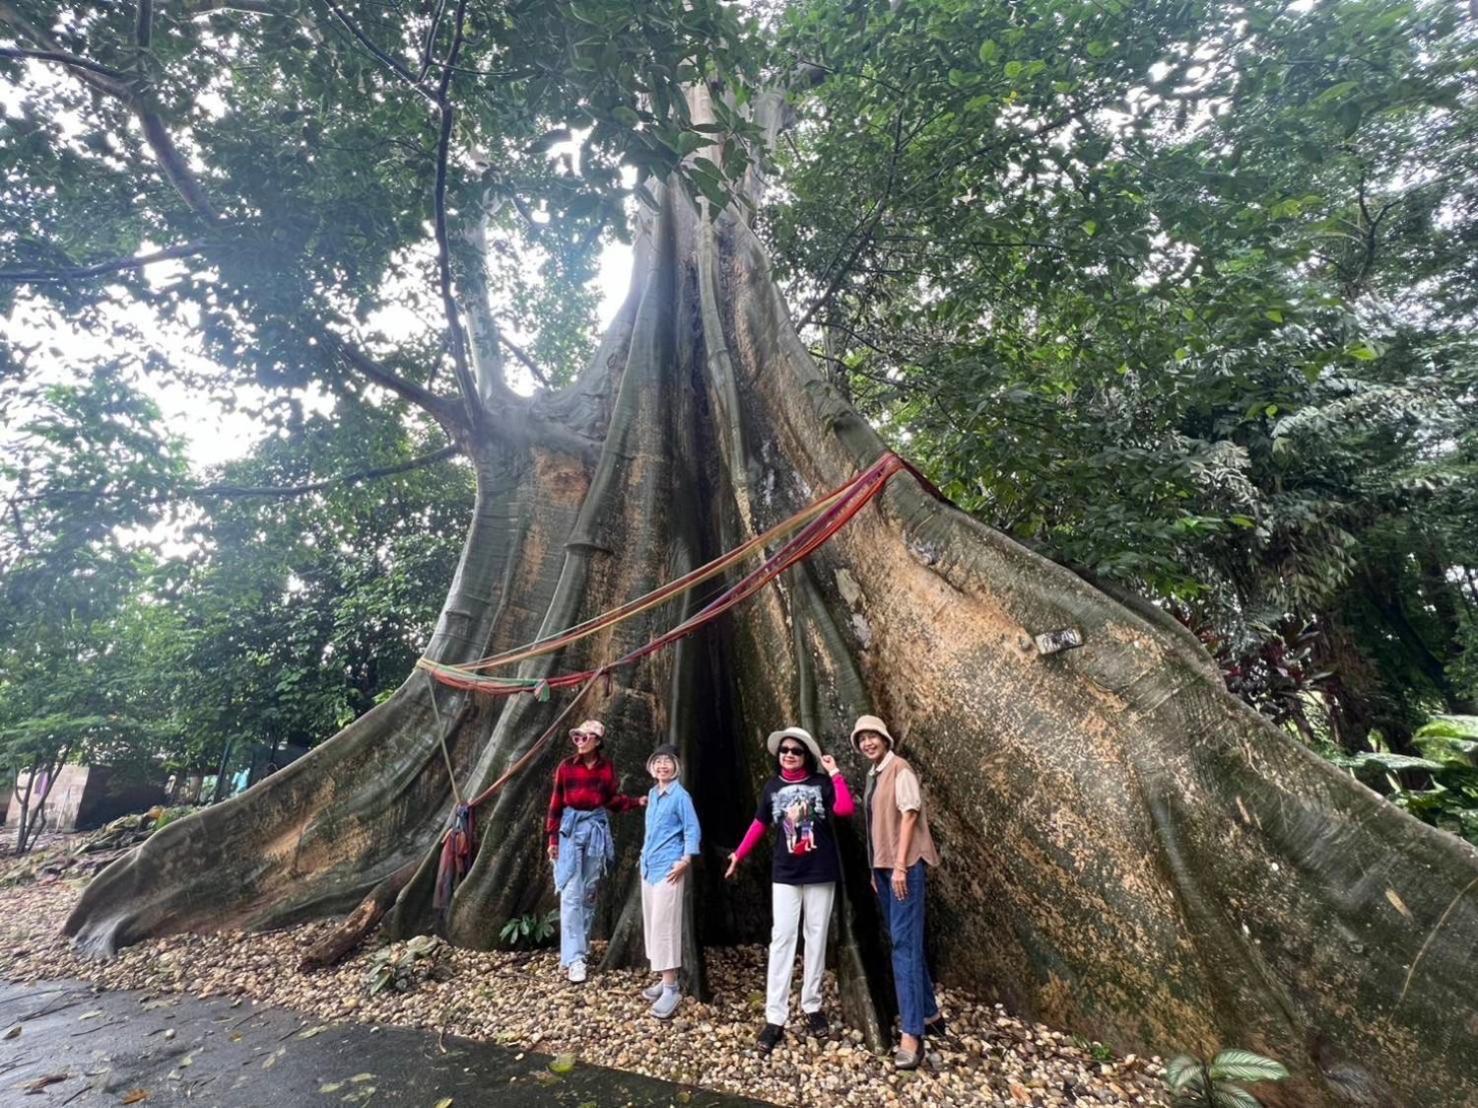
x,y
688,581
821,520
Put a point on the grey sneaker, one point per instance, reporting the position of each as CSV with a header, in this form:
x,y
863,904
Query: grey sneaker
x,y
652,992
667,1003
577,972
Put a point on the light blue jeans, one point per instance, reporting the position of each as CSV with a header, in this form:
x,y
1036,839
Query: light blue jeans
x,y
585,851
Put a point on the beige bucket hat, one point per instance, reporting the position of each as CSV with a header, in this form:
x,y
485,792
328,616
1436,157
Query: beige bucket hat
x,y
773,742
591,727
871,723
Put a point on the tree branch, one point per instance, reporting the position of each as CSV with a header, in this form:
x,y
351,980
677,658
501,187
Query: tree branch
x,y
385,59
522,355
278,492
426,47
259,7
456,338
62,57
865,230
112,265
174,167
144,24
423,398
171,162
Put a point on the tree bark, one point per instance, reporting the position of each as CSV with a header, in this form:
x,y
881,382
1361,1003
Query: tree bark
x,y
1130,852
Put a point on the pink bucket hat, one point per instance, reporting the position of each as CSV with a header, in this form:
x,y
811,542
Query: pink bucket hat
x,y
870,723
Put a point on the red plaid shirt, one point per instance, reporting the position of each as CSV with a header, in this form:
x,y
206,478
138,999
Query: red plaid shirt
x,y
585,788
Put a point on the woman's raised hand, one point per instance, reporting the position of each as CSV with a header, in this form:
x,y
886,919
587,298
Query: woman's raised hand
x,y
733,866
829,764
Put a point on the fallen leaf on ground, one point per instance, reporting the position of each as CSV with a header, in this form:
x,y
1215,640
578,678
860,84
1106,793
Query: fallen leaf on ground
x,y
41,1082
562,1063
444,1102
319,1030
361,1077
13,1032
331,1087
94,1014
135,1096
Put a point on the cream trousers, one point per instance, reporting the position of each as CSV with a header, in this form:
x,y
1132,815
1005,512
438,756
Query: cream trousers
x,y
662,922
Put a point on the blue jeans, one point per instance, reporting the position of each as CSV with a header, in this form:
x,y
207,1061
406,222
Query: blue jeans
x,y
584,854
904,920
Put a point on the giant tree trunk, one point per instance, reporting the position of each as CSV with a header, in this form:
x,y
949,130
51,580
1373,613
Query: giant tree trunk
x,y
1130,852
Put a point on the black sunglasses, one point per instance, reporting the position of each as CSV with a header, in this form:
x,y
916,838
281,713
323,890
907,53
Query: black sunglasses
x,y
793,750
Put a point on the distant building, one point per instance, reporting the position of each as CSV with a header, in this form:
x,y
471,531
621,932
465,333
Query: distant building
x,y
85,797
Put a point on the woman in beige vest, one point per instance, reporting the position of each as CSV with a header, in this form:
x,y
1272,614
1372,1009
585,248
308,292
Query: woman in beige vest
x,y
899,846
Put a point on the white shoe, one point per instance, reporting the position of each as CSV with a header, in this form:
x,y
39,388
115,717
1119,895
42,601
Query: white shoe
x,y
577,972
652,992
666,1006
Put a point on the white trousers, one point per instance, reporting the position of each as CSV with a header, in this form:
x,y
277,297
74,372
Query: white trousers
x,y
790,903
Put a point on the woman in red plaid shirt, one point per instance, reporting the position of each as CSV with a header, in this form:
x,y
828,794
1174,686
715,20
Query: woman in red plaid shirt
x,y
580,845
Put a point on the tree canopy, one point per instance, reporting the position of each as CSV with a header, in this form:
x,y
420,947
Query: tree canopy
x,y
1181,294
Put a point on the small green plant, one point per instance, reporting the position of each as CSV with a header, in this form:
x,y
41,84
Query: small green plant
x,y
1095,1050
1195,1083
531,931
398,967
1449,758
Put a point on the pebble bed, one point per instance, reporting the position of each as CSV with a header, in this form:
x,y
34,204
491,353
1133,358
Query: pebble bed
x,y
523,1001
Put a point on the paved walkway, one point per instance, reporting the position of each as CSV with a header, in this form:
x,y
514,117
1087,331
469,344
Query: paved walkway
x,y
78,1047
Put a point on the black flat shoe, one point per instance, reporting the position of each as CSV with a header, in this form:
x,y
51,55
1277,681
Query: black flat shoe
x,y
817,1024
771,1034
936,1026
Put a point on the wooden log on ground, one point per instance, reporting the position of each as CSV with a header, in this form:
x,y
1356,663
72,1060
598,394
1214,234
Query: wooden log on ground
x,y
339,943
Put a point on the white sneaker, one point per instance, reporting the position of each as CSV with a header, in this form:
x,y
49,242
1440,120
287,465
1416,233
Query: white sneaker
x,y
577,972
652,992
666,1006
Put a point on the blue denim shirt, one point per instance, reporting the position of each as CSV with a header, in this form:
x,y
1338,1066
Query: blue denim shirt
x,y
672,831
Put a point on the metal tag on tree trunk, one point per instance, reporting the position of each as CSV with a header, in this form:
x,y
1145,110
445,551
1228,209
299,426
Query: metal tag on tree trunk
x,y
1051,642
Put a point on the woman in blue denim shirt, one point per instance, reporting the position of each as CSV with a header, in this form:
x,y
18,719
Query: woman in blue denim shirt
x,y
671,843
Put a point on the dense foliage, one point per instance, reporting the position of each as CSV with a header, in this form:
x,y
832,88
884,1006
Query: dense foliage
x,y
1182,294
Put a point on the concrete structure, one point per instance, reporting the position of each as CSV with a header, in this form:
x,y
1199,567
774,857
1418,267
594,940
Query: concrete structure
x,y
85,797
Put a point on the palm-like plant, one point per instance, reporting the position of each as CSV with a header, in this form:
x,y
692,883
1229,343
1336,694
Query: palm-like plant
x,y
1196,1083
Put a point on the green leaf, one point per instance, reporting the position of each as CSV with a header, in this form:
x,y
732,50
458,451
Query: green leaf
x,y
1229,1096
988,51
1274,314
1180,1069
1391,762
1014,69
1244,1065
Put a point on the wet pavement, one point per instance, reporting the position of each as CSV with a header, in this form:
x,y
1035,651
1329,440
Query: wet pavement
x,y
64,1044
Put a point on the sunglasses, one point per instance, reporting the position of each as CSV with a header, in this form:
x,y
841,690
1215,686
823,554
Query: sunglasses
x,y
797,750
582,736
